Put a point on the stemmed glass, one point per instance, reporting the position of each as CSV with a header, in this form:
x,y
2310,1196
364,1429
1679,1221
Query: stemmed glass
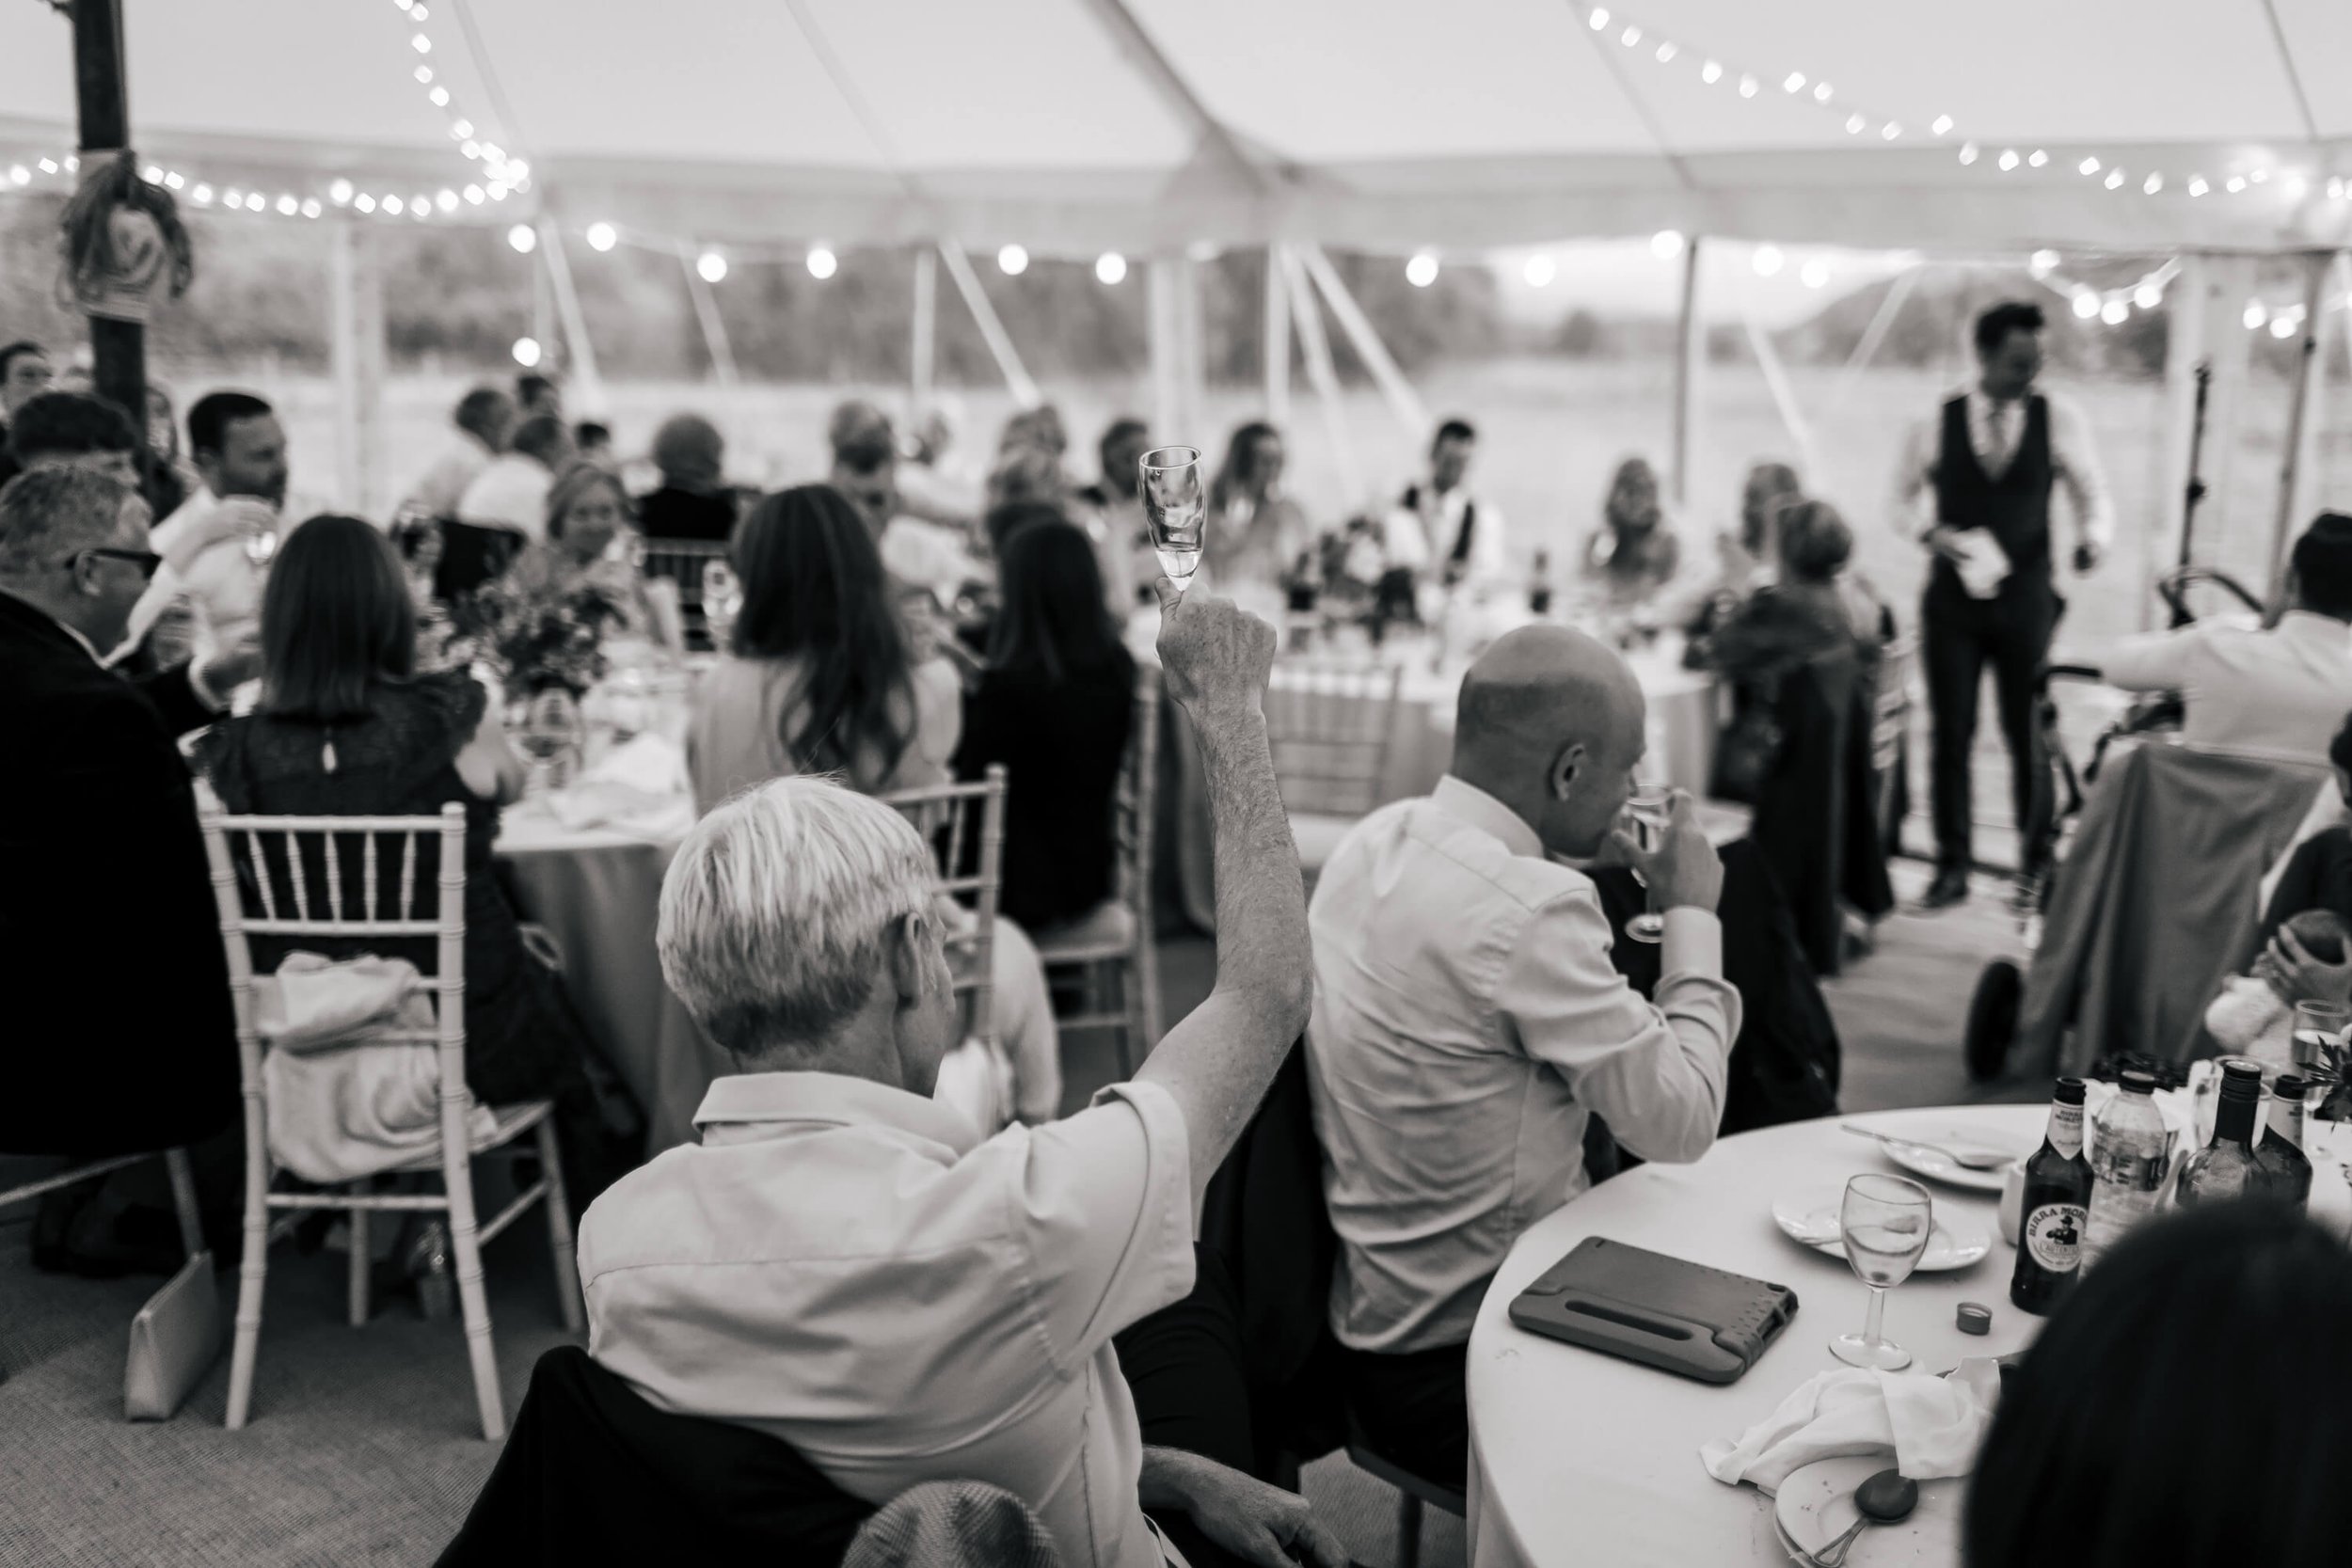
x,y
260,549
1648,811
722,600
1887,1222
1178,509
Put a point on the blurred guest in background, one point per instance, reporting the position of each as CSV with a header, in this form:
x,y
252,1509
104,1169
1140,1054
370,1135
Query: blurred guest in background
x,y
819,681
1040,427
171,479
346,726
1054,706
693,501
74,429
240,451
24,374
1768,488
482,425
917,554
537,394
1254,531
592,439
1635,552
932,482
510,493
2106,1451
1028,472
588,543
1439,527
1123,547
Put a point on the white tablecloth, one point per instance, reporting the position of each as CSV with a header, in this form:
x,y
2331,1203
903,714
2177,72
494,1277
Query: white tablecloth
x,y
1579,1458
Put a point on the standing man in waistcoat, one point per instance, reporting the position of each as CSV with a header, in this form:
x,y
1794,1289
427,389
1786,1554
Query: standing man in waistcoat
x,y
1990,458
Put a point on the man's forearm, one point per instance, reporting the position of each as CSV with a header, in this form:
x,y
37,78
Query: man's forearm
x,y
1260,902
1164,1482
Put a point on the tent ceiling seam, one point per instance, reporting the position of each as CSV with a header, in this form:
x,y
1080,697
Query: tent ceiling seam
x,y
1640,106
1116,19
500,104
2294,77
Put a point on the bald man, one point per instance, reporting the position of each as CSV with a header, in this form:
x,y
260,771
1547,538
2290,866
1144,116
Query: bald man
x,y
1468,1020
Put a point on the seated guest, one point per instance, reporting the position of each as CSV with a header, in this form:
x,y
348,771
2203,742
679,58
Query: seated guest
x,y
240,451
1468,1021
1439,525
1808,610
74,429
819,681
483,424
693,501
1054,706
592,440
2254,1014
117,1045
1122,543
2281,691
2108,1449
843,1266
588,543
917,554
25,372
537,394
346,726
1635,552
510,493
1254,529
170,478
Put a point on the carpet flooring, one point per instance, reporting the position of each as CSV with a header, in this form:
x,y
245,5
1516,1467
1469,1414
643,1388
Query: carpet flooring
x,y
363,1450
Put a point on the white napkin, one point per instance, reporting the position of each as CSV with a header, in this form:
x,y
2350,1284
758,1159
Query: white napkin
x,y
313,1001
1931,1425
1982,564
638,787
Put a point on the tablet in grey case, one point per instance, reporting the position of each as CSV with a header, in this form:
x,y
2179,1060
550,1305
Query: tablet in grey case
x,y
1662,1312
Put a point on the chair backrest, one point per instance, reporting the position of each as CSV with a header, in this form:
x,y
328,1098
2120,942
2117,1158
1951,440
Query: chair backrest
x,y
1132,807
681,561
1898,666
332,877
965,824
1330,725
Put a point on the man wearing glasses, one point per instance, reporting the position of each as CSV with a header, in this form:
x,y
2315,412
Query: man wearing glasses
x,y
107,916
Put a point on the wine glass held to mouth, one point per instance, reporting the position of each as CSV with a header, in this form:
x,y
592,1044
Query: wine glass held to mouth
x,y
1177,508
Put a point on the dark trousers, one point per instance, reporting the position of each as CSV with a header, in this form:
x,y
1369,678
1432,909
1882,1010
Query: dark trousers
x,y
1184,1367
1413,1409
1959,637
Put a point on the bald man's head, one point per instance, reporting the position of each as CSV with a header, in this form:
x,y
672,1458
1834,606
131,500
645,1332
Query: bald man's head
x,y
1552,723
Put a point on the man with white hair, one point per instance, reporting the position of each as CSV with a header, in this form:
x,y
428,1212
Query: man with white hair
x,y
846,1264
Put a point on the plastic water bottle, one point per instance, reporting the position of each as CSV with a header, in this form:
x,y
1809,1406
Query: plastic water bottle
x,y
2130,1153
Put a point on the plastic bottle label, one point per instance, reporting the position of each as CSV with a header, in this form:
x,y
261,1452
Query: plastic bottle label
x,y
2139,1173
2054,1236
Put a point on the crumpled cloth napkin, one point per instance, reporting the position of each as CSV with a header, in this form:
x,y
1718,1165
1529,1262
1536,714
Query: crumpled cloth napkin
x,y
638,787
313,1001
1983,565
1931,1425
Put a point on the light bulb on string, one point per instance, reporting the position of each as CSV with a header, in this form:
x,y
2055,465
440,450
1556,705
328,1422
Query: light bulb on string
x,y
1820,93
422,44
1666,244
2197,186
1767,260
1539,271
1890,131
202,195
172,179
1967,152
1012,260
445,201
822,263
2115,312
439,97
2282,327
1710,73
365,202
712,266
602,236
425,75
462,130
2008,159
2042,263
256,203
2114,181
313,207
524,238
527,352
1943,126
1747,87
2148,296
2255,315
2294,187
2237,183
2039,158
2089,166
1793,82
473,195
1600,18
1815,273
339,193
2085,304
1666,51
287,206
19,175
2154,183
1422,270
1855,125
1631,36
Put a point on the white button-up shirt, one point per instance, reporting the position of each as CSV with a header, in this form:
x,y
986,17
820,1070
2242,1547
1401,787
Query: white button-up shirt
x,y
1466,1019
440,487
1420,539
510,492
2286,691
850,1268
1997,431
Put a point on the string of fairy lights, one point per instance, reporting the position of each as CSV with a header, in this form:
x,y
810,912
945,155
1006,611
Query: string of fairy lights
x,y
496,176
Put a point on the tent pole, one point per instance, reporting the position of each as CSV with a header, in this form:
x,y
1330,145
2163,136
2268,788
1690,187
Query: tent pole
x,y
1873,338
923,359
356,344
1160,332
1277,352
2228,348
2185,354
1191,352
579,353
706,316
102,91
1315,349
2291,450
1402,401
991,330
1690,360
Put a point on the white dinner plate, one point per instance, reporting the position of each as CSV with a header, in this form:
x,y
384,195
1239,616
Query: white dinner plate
x,y
1952,1134
1811,1218
1816,1504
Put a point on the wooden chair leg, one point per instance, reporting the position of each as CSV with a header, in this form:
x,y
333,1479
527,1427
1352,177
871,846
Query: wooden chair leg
x,y
252,1275
560,1231
1408,1531
184,1200
473,1305
362,1261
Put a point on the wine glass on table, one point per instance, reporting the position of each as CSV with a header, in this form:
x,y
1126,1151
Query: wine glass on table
x,y
260,549
1648,811
722,600
1887,1222
1177,508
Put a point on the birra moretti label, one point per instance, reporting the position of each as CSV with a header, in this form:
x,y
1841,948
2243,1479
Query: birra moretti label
x,y
2053,1233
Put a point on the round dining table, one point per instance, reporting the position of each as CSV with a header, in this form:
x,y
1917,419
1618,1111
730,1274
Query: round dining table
x,y
1581,1458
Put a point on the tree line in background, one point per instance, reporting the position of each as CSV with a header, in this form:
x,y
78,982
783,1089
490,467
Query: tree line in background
x,y
461,296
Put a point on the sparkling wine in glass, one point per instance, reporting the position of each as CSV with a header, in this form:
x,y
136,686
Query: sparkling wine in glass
x,y
1647,810
1886,1221
1174,502
722,600
260,549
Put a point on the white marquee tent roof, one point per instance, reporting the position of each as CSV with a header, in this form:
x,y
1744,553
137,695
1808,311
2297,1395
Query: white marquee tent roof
x,y
1073,125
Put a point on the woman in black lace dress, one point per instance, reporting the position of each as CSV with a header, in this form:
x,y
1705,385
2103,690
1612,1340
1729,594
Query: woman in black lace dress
x,y
347,727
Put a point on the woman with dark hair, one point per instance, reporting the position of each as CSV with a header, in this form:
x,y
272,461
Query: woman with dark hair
x,y
1254,531
1054,706
347,727
819,679
2182,1409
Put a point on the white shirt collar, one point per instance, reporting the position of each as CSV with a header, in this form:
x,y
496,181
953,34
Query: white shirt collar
x,y
1467,803
747,1106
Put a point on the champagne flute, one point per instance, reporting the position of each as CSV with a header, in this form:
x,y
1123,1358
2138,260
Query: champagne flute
x,y
722,600
260,549
1175,504
1887,1222
1648,811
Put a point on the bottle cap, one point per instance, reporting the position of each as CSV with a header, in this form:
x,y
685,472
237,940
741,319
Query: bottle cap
x,y
1975,1319
2289,1086
2136,1082
2070,1091
2241,1067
